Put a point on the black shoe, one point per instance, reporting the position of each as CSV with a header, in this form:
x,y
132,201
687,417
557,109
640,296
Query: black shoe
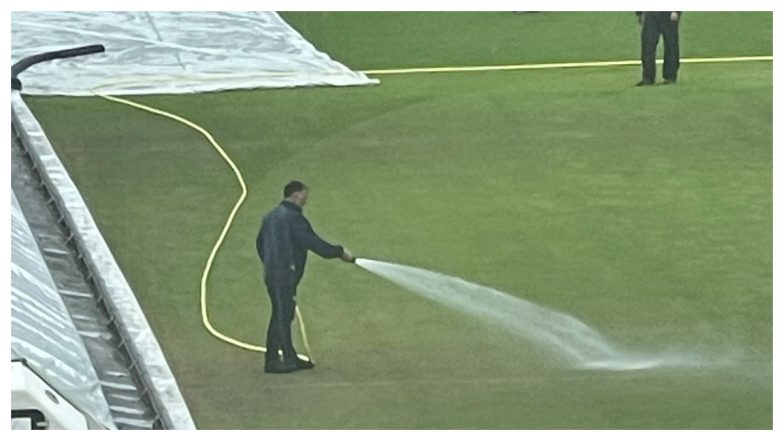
x,y
302,364
277,367
644,83
666,81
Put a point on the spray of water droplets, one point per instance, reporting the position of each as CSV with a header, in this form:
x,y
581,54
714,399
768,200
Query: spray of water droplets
x,y
566,337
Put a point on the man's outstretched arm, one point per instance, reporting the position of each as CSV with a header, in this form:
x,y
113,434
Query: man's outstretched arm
x,y
304,234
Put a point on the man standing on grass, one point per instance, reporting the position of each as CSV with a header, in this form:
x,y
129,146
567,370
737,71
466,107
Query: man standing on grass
x,y
283,243
653,25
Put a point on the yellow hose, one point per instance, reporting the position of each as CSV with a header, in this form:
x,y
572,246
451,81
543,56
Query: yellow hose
x,y
205,275
230,220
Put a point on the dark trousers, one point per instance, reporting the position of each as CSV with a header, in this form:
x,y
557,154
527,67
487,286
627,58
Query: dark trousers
x,y
283,298
655,24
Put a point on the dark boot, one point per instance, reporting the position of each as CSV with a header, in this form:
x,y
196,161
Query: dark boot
x,y
279,367
302,364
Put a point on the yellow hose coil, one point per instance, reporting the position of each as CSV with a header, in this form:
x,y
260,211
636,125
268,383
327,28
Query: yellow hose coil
x,y
230,220
205,275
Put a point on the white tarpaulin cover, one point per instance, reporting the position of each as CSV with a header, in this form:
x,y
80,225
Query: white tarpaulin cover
x,y
41,329
170,53
107,277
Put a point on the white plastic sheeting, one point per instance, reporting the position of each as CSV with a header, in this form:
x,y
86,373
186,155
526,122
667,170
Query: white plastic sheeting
x,y
170,53
41,329
109,280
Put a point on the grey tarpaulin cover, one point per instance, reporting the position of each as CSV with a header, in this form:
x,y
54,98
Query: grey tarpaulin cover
x,y
170,53
41,329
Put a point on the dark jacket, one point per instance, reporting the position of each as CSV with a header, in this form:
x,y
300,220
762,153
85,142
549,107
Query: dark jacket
x,y
283,243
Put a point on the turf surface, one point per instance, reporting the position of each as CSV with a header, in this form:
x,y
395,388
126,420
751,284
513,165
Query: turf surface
x,y
369,40
644,212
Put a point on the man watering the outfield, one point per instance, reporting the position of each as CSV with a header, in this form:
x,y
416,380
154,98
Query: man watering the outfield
x,y
283,243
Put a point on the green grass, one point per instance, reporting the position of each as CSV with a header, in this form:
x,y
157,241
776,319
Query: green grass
x,y
370,40
644,212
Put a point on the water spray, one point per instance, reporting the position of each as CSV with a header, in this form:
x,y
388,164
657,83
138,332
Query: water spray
x,y
570,340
